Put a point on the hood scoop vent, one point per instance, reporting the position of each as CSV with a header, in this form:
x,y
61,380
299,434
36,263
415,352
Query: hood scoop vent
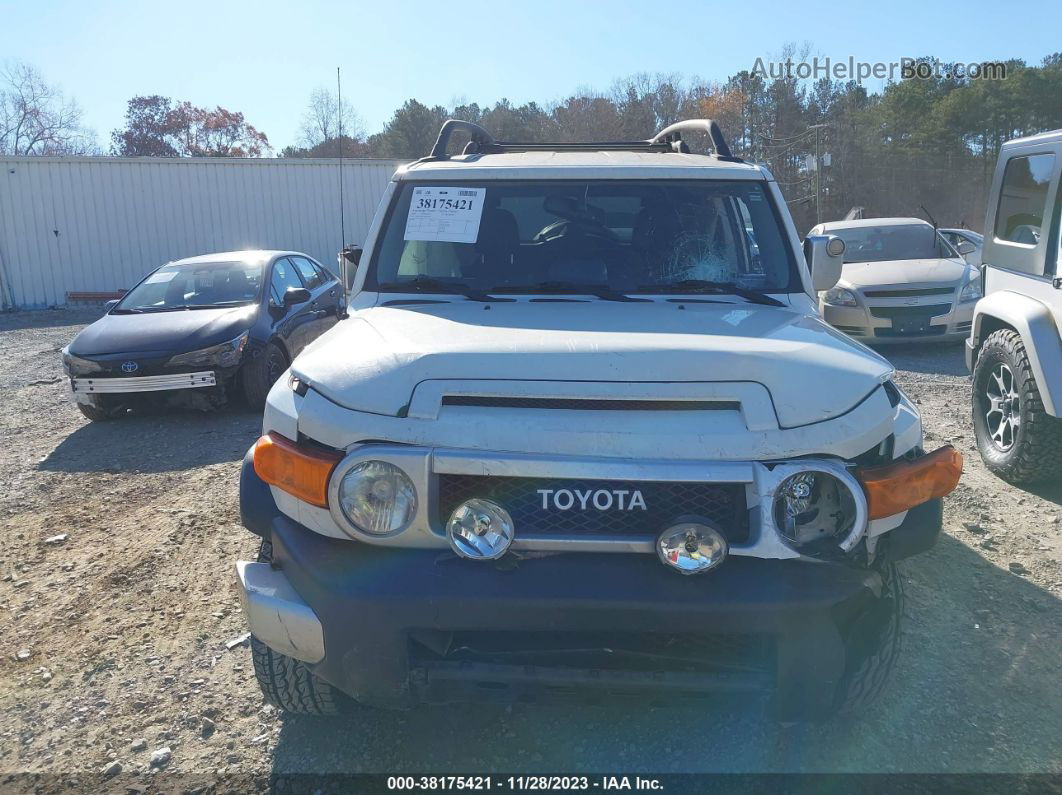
x,y
589,404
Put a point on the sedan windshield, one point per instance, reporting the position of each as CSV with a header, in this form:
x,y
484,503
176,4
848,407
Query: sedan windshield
x,y
198,286
602,238
887,243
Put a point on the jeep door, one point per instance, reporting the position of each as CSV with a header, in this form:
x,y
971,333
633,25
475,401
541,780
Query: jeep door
x,y
1021,250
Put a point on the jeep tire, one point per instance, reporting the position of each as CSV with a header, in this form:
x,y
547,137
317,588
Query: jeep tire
x,y
872,647
287,683
1017,439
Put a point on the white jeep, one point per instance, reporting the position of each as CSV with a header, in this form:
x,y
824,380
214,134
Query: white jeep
x,y
1015,345
572,373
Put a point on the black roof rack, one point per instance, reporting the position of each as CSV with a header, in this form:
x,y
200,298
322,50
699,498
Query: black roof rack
x,y
669,139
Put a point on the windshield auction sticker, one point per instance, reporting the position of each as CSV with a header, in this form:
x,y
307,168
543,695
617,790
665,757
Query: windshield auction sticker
x,y
445,214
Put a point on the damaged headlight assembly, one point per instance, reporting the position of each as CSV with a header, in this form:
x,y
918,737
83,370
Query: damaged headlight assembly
x,y
75,365
227,354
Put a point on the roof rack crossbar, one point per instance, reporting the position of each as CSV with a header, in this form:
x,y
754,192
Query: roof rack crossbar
x,y
667,140
673,134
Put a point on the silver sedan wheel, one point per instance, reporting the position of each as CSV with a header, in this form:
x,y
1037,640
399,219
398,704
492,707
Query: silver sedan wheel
x,y
1002,407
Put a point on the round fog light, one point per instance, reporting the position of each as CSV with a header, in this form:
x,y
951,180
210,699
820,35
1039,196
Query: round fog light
x,y
691,547
480,530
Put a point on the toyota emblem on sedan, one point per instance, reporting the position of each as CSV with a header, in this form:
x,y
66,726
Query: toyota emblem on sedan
x,y
130,367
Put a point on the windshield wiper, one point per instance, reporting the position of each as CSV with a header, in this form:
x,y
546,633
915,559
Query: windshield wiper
x,y
716,288
602,291
126,311
219,304
427,284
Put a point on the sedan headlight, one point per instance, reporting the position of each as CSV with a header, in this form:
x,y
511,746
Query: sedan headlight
x,y
377,498
227,354
839,296
75,365
972,291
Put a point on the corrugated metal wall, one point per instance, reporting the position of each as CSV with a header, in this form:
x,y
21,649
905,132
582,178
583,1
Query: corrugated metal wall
x,y
98,224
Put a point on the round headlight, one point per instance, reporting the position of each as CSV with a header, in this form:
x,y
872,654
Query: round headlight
x,y
810,506
480,530
377,497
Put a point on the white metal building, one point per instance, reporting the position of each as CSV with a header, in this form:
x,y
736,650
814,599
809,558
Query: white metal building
x,y
99,224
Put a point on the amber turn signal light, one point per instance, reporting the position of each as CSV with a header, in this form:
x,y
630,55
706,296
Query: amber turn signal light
x,y
898,487
301,471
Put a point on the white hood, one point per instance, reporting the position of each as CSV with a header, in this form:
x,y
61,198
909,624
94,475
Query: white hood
x,y
373,361
904,271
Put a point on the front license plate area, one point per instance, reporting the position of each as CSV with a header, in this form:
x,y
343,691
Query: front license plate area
x,y
911,326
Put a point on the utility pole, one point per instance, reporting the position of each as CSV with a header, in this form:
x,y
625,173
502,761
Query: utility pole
x,y
818,172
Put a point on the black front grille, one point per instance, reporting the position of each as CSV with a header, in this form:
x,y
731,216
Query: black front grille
x,y
905,312
589,404
902,293
721,503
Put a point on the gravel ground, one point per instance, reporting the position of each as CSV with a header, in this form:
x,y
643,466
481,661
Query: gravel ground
x,y
117,590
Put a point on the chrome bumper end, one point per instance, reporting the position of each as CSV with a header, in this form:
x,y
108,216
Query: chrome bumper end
x,y
277,615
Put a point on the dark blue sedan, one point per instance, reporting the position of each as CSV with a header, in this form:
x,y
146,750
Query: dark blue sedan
x,y
202,330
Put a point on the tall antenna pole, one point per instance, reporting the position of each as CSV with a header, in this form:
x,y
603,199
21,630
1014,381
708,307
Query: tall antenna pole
x,y
342,209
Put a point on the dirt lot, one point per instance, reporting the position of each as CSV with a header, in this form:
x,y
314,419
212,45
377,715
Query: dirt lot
x,y
126,619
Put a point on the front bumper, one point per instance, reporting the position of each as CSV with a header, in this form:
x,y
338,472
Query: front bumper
x,y
881,320
88,385
380,624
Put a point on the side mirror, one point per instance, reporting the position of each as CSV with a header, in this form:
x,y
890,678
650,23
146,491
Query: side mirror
x,y
296,295
349,260
107,307
966,247
352,254
825,257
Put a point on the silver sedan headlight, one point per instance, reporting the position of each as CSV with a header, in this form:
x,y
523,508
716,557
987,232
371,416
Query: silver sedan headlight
x,y
839,296
227,354
377,498
972,291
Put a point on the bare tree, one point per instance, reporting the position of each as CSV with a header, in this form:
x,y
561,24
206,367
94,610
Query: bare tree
x,y
320,122
35,117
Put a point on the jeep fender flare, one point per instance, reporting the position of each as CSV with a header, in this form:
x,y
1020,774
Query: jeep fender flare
x,y
1035,324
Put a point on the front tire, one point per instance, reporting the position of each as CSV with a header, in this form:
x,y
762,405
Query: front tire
x,y
98,410
287,683
259,374
872,648
1017,439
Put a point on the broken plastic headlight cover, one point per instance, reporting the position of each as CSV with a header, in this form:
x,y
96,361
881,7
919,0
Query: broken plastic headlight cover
x,y
227,354
812,506
75,365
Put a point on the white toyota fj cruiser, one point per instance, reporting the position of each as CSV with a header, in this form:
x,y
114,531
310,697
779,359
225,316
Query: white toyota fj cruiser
x,y
571,374
1015,345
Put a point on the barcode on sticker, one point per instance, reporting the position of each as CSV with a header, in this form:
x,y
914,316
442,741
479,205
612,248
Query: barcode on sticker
x,y
467,193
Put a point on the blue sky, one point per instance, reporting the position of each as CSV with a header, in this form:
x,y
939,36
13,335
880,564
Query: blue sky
x,y
265,57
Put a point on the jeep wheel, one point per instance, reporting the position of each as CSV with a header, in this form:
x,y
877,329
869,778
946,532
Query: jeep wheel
x,y
1016,438
872,648
259,374
286,682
